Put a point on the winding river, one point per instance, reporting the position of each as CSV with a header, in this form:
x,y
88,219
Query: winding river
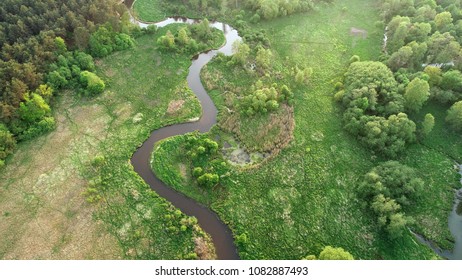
x,y
209,221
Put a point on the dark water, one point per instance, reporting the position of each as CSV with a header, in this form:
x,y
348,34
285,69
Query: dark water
x,y
208,220
455,224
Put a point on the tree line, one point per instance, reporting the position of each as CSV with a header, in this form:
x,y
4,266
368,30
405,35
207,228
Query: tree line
x,y
258,9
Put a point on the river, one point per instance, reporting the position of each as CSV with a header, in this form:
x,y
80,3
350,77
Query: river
x,y
209,221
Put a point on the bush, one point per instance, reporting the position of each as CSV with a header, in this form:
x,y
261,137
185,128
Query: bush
x,y
197,171
255,18
264,99
91,83
331,253
386,189
427,124
7,142
45,125
208,180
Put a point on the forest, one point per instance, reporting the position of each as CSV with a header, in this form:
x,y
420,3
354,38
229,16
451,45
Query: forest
x,y
337,130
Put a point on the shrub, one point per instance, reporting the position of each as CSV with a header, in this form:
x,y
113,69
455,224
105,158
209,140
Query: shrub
x,y
197,171
331,253
91,83
208,180
7,142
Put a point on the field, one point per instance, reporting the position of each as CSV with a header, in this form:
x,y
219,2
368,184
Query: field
x,y
304,199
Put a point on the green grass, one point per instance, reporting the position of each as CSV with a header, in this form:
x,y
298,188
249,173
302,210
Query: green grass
x,y
148,11
304,199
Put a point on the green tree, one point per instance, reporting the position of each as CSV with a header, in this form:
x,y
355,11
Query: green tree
x,y
84,61
452,80
203,30
60,45
101,43
398,30
434,75
417,93
167,41
454,116
443,21
419,32
91,83
389,216
123,42
44,91
387,136
7,143
263,59
34,108
208,180
428,124
376,82
241,52
419,50
269,9
183,37
400,59
332,253
81,37
386,190
442,48
393,180
397,224
197,171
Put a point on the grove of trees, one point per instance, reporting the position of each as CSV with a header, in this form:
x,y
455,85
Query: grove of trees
x,y
388,190
189,39
424,42
373,108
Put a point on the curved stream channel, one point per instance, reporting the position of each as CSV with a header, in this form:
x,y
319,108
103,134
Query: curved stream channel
x,y
208,220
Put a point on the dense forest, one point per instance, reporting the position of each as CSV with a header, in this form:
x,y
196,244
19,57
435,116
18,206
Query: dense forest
x,y
46,46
